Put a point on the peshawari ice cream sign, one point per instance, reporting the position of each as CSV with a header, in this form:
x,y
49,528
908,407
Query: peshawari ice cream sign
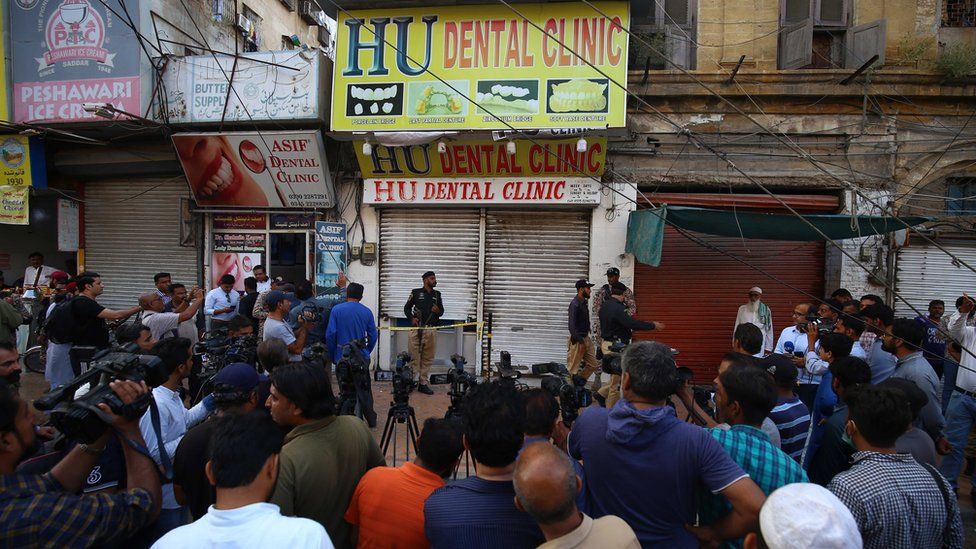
x,y
80,52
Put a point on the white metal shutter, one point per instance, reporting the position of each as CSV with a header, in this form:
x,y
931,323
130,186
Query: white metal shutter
x,y
132,232
532,261
925,272
413,242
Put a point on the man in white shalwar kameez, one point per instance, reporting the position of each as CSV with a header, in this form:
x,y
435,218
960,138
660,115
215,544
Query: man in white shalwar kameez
x,y
758,313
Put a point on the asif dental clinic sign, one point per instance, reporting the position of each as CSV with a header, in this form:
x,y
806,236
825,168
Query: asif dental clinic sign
x,y
72,52
455,67
483,172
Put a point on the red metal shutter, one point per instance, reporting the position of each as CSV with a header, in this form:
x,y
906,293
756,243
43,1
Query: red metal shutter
x,y
697,291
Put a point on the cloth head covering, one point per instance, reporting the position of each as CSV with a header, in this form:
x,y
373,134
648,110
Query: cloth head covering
x,y
805,515
755,289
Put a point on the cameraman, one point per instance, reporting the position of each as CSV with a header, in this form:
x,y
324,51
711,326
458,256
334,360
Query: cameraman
x,y
351,321
171,420
275,325
44,510
616,326
136,334
163,324
315,311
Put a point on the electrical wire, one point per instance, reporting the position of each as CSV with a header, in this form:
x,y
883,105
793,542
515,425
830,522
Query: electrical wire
x,y
785,140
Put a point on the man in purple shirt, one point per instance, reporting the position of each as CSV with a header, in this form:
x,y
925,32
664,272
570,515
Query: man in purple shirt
x,y
645,466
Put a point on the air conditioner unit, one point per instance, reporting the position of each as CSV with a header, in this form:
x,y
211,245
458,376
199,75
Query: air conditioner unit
x,y
244,24
320,18
307,9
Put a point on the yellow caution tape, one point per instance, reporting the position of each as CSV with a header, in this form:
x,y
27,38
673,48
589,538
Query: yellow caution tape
x,y
415,328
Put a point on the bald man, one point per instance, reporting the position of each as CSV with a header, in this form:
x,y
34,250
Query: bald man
x,y
164,325
546,487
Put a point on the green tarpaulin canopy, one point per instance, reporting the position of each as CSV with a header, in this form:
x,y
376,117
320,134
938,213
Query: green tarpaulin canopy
x,y
645,229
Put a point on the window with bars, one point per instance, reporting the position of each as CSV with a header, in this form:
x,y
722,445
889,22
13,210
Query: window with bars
x,y
961,196
959,13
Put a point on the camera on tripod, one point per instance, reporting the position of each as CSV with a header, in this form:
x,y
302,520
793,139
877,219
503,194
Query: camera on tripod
x,y
572,396
610,361
219,351
460,380
351,364
403,383
505,369
79,417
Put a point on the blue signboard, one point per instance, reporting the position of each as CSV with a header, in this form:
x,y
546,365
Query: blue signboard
x,y
330,254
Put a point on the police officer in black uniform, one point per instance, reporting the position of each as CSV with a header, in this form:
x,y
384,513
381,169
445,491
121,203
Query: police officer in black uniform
x,y
618,326
424,309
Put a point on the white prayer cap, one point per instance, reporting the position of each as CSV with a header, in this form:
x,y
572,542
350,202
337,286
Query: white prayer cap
x,y
755,289
804,515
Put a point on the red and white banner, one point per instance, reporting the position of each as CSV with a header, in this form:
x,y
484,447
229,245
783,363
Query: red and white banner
x,y
487,191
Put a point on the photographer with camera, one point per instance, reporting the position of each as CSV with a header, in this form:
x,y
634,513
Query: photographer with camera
x,y
424,308
136,336
543,425
617,327
315,311
165,423
639,445
277,326
352,321
163,324
44,510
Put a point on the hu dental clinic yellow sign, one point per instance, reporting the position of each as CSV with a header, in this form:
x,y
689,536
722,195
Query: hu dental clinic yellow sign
x,y
457,67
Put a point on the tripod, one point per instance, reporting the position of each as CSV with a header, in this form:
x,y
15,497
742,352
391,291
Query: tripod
x,y
400,412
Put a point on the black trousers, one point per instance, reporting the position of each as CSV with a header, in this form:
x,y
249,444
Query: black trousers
x,y
807,393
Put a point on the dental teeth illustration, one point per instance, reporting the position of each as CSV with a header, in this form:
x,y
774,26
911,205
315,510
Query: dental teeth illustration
x,y
219,180
375,95
578,95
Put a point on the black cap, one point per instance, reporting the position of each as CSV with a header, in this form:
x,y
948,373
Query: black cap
x,y
618,288
427,274
583,283
782,368
354,291
613,271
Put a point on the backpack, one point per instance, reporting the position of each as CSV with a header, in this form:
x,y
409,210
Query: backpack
x,y
59,326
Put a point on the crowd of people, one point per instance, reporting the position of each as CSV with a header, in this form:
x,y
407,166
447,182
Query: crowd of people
x,y
829,435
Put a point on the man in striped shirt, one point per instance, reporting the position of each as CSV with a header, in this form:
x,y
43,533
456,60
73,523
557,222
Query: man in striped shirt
x,y
790,415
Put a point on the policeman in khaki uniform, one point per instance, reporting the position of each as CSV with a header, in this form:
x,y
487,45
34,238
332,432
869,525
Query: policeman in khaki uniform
x,y
424,309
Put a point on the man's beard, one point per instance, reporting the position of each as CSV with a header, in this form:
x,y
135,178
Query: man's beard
x,y
13,378
753,306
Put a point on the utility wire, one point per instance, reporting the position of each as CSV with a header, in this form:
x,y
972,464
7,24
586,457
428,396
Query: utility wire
x,y
785,140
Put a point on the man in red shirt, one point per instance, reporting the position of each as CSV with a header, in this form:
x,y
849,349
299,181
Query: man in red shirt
x,y
387,508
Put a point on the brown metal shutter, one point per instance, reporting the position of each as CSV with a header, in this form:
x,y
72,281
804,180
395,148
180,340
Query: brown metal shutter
x,y
697,291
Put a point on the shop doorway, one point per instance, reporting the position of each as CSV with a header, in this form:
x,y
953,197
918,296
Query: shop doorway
x,y
288,256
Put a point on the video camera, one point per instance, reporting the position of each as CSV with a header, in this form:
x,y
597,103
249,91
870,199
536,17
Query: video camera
x,y
823,325
219,350
79,417
351,364
610,361
310,313
315,352
460,379
572,396
403,383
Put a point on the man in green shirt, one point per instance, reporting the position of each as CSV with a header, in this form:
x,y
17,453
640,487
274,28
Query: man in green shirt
x,y
324,455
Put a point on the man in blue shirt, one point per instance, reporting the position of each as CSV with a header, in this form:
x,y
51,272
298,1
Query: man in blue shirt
x,y
879,318
647,467
479,511
348,321
935,341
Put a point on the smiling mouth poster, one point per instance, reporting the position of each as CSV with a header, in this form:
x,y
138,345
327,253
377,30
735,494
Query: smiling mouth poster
x,y
266,169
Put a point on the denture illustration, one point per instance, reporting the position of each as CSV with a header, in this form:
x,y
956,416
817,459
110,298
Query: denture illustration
x,y
438,102
578,95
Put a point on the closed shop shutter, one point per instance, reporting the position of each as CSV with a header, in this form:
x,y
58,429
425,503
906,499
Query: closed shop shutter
x,y
132,232
532,261
925,272
444,241
697,291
